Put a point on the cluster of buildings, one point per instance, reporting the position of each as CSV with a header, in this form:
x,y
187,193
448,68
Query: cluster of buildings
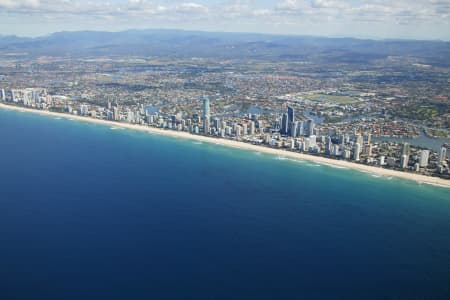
x,y
290,132
31,97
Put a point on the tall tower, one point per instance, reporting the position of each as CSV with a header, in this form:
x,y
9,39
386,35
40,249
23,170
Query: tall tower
x,y
206,115
293,129
423,159
405,149
356,151
442,154
404,161
310,127
284,124
291,114
116,115
290,120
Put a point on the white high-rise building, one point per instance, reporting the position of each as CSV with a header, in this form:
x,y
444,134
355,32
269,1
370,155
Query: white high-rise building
x,y
442,154
244,129
346,153
13,95
404,161
359,139
84,109
356,151
336,151
206,115
311,127
329,145
238,131
405,149
300,128
312,141
369,138
252,127
423,159
130,116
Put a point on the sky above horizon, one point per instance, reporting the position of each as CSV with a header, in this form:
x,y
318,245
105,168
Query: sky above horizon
x,y
416,19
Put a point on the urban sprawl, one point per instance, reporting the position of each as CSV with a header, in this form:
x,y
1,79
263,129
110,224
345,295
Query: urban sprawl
x,y
284,128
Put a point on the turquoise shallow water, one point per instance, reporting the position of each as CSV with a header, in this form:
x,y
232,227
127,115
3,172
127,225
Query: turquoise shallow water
x,y
90,212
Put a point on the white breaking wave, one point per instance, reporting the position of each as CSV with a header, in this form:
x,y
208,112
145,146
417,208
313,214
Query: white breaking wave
x,y
297,160
281,158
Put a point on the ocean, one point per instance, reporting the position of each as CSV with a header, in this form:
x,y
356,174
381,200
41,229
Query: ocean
x,y
93,212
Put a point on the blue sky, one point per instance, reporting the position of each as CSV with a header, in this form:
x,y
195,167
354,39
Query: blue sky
x,y
413,19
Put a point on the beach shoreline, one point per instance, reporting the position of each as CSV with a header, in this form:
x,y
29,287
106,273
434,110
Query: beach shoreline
x,y
246,146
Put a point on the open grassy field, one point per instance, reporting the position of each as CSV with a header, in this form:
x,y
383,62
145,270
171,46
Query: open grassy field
x,y
331,98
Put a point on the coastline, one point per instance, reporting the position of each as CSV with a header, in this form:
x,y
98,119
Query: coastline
x,y
245,146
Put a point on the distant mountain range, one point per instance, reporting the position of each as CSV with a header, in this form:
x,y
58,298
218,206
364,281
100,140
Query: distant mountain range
x,y
184,44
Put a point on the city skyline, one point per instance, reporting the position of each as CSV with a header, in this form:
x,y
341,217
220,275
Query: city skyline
x,y
375,19
301,137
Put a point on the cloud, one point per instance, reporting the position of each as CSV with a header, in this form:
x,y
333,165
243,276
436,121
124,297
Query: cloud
x,y
372,9
19,4
288,5
330,4
229,13
190,8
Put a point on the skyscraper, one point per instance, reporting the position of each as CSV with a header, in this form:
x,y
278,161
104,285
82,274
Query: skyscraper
x,y
405,149
336,150
276,125
442,154
328,146
356,151
309,127
206,114
293,130
284,124
359,139
300,128
216,123
84,109
290,121
206,108
252,127
12,94
369,138
423,159
291,115
116,115
404,161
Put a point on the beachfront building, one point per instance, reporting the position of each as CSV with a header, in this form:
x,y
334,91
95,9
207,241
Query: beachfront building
x,y
310,127
284,123
442,154
206,115
356,151
423,159
291,120
405,149
404,161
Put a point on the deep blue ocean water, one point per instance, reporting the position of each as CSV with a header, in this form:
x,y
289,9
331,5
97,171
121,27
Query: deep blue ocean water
x,y
88,212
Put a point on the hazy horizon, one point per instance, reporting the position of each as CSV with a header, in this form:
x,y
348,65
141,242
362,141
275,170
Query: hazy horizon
x,y
228,32
368,19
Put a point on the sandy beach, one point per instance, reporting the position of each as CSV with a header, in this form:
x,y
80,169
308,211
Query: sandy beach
x,y
378,171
